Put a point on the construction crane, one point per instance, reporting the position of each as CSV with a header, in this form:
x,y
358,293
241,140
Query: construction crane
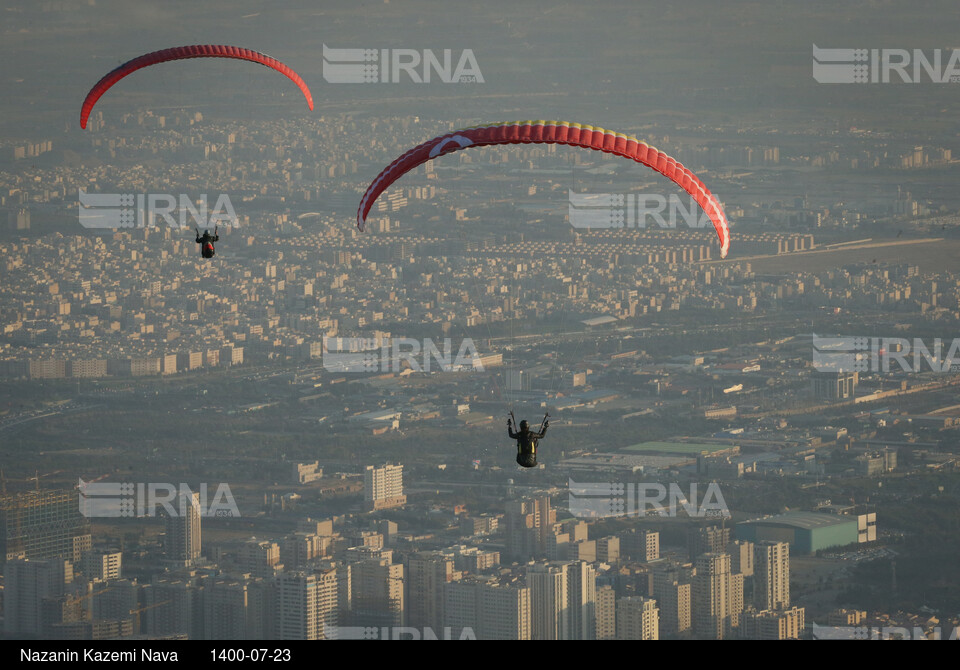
x,y
136,625
92,481
85,596
37,477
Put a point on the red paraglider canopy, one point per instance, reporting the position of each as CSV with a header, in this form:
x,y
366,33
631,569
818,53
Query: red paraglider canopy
x,y
180,53
551,132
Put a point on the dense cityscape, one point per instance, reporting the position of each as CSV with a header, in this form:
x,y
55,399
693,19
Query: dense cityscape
x,y
305,437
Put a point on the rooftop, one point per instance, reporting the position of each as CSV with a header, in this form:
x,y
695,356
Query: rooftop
x,y
805,520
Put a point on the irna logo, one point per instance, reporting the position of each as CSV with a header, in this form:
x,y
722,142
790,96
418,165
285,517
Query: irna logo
x,y
884,354
146,210
884,66
392,66
398,354
397,633
634,210
128,499
614,499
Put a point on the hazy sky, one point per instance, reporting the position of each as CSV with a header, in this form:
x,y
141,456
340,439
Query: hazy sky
x,y
610,63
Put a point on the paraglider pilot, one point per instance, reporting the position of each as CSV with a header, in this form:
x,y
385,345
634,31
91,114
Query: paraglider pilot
x,y
527,440
206,242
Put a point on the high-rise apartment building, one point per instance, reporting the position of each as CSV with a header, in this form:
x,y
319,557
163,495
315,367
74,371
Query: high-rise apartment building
x,y
383,487
101,565
563,597
549,600
707,540
426,575
182,536
487,608
673,592
528,524
771,577
377,591
717,597
259,558
641,544
637,619
582,601
606,613
306,605
786,624
27,585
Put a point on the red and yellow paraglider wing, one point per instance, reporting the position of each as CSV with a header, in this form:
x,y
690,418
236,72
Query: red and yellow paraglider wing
x,y
551,132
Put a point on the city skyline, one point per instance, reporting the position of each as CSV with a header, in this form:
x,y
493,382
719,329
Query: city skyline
x,y
304,437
